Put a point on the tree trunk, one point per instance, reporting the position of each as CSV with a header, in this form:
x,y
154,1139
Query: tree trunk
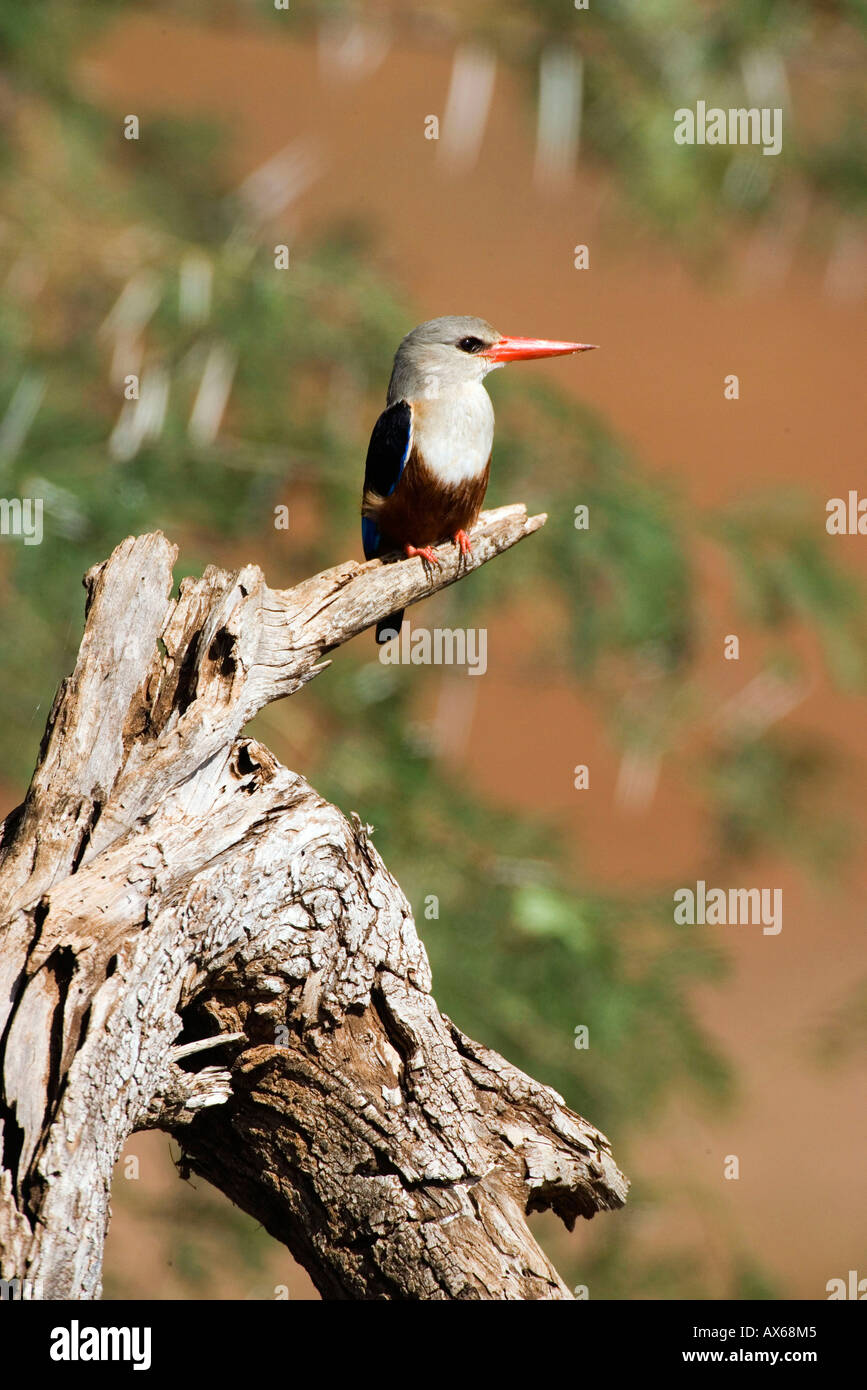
x,y
193,940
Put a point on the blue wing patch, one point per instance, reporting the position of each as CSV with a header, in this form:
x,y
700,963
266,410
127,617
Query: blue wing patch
x,y
387,453
369,537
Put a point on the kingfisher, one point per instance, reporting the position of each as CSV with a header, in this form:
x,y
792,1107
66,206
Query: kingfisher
x,y
429,456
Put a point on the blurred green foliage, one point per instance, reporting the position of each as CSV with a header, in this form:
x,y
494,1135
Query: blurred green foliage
x,y
643,59
99,237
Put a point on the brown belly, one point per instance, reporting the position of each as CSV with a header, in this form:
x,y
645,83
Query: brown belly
x,y
421,511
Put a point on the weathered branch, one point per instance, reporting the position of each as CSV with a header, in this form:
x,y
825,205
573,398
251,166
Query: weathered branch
x,y
166,880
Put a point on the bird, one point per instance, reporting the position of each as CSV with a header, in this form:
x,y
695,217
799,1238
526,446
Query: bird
x,y
429,457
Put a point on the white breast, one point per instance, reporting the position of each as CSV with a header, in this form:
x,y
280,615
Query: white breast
x,y
454,432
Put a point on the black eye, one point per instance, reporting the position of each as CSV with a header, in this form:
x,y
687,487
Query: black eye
x,y
470,344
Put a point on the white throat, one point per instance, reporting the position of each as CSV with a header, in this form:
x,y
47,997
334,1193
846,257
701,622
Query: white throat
x,y
454,432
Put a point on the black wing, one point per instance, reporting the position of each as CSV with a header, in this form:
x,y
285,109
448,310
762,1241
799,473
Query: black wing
x,y
387,454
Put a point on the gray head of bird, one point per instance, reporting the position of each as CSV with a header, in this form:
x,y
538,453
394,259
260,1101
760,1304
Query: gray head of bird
x,y
455,351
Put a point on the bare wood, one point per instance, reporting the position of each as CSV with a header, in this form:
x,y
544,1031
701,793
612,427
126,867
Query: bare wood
x,y
166,881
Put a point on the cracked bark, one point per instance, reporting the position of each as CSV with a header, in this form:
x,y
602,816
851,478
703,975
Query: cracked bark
x,y
194,940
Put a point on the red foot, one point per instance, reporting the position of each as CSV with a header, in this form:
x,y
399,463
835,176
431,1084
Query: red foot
x,y
425,551
463,540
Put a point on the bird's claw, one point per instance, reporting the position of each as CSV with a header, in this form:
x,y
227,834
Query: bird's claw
x,y
425,551
462,540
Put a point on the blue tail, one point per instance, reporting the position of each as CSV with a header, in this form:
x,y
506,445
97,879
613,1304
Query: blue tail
x,y
389,627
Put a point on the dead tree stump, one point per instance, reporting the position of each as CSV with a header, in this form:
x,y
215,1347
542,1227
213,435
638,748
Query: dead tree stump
x,y
193,940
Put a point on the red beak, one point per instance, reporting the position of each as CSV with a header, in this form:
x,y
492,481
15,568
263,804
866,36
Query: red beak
x,y
519,349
